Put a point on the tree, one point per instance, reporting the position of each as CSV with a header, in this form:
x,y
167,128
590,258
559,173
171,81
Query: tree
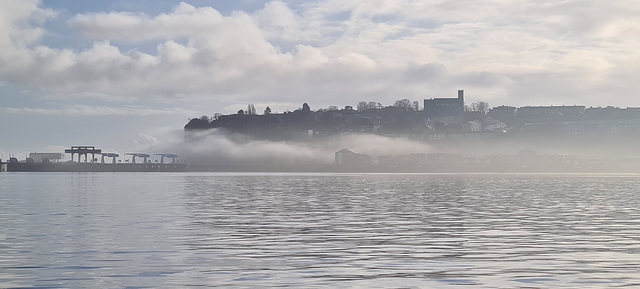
x,y
482,107
251,109
305,107
241,112
217,115
204,118
362,106
479,106
403,103
416,105
267,111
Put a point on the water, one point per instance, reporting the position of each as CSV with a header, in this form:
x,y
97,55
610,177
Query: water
x,y
139,230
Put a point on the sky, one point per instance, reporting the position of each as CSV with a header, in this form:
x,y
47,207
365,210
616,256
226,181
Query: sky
x,y
126,76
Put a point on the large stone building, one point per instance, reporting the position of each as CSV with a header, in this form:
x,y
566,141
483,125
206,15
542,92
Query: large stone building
x,y
445,110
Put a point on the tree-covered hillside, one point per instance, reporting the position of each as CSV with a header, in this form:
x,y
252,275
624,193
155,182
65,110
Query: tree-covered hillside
x,y
305,123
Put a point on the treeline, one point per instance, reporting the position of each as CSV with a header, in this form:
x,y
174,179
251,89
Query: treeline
x,y
367,117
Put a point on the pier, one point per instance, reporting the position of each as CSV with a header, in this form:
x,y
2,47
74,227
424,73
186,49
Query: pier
x,y
51,162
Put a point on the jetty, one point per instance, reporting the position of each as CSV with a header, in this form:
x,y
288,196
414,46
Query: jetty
x,y
52,162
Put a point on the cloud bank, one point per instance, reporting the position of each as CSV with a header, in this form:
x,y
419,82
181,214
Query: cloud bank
x,y
336,52
86,110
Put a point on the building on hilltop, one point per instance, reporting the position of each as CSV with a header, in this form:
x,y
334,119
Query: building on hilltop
x,y
445,110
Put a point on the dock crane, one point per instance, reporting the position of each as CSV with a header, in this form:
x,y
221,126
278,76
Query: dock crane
x,y
113,157
171,156
133,160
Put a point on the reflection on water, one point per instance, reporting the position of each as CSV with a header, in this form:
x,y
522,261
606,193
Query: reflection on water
x,y
322,230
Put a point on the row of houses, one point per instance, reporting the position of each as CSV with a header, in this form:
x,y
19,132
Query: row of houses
x,y
448,116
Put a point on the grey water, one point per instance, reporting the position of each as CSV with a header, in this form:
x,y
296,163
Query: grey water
x,y
150,230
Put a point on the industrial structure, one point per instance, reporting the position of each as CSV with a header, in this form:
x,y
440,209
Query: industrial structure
x,y
113,157
139,155
83,151
50,162
173,157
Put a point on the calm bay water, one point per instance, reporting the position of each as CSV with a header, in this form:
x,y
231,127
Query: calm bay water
x,y
140,230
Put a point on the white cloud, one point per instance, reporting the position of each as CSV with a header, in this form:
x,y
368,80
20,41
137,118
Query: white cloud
x,y
145,141
89,95
185,21
16,19
86,110
279,22
336,52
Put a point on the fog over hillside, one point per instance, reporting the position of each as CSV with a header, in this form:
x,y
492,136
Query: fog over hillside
x,y
216,145
219,146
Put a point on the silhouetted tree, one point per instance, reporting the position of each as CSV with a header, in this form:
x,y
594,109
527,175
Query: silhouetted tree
x,y
305,107
403,103
267,111
251,109
480,106
416,105
241,112
363,105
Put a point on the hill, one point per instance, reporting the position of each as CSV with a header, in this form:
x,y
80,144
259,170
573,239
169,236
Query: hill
x,y
304,123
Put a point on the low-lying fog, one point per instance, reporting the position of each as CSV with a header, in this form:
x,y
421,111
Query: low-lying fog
x,y
218,147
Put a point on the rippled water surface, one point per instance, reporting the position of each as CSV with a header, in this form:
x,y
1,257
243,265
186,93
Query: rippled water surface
x,y
318,230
